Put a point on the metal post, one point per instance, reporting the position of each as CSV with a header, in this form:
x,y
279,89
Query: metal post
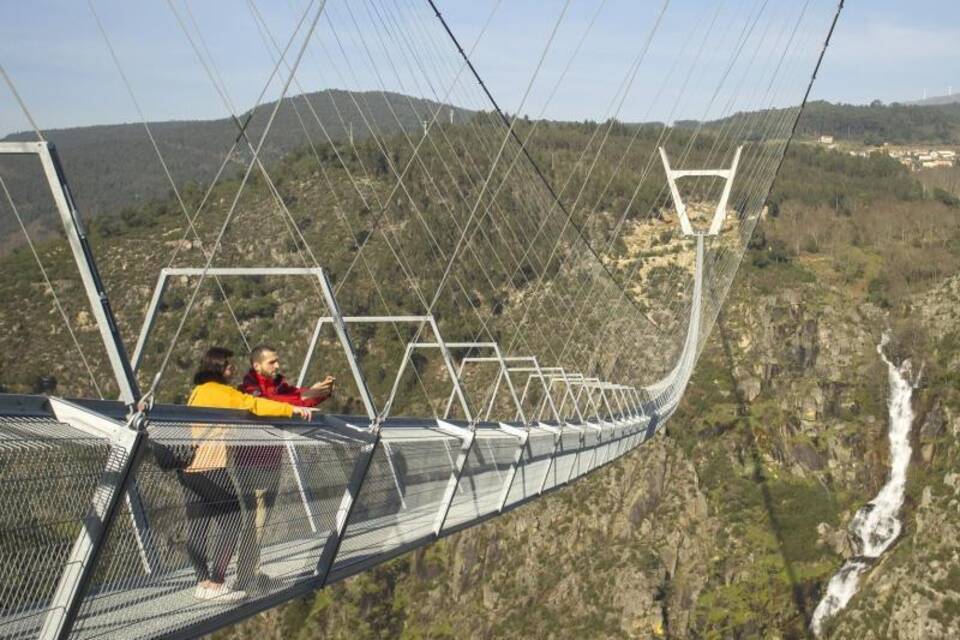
x,y
524,437
493,394
453,392
558,416
534,371
630,400
444,353
721,212
393,472
147,327
340,327
605,433
526,388
565,425
613,421
503,373
467,438
639,401
301,485
308,356
348,500
335,318
630,419
623,412
448,361
597,427
331,546
92,284
522,434
611,415
584,424
113,345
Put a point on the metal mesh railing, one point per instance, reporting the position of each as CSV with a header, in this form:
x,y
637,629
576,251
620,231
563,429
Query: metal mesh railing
x,y
49,472
532,469
485,474
566,457
587,458
271,509
401,495
260,513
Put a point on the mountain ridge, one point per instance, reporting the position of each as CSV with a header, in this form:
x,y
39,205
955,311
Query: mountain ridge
x,y
113,166
950,98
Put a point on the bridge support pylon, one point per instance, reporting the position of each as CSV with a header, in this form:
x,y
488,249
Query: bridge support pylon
x,y
721,212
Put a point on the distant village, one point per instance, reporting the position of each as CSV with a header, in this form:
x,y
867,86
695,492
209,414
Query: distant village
x,y
914,158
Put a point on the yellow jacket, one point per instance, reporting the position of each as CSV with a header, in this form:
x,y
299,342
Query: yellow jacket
x,y
212,448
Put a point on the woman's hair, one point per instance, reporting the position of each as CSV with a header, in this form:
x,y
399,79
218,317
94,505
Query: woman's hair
x,y
213,366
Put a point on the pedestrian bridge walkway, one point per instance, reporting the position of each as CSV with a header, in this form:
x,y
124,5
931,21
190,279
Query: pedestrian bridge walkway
x,y
348,499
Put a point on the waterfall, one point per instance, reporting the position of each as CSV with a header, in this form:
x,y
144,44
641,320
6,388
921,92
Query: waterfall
x,y
875,525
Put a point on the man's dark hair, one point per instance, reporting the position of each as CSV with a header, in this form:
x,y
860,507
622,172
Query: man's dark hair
x,y
213,366
258,352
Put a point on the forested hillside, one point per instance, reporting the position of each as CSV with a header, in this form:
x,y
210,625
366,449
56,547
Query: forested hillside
x,y
114,167
876,123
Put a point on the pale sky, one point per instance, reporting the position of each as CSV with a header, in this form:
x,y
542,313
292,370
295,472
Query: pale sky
x,y
886,49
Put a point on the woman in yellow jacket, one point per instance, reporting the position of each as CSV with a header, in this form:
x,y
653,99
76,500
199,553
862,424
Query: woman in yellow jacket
x,y
211,494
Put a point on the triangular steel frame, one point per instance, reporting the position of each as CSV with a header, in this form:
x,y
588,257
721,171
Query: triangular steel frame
x,y
721,212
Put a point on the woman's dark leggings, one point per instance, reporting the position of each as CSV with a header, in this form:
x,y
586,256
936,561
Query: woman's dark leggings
x,y
210,496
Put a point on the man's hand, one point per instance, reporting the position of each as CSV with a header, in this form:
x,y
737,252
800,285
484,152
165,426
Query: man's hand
x,y
303,412
325,385
322,389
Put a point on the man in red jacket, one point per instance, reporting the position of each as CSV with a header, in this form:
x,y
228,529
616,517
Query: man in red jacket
x,y
259,467
265,380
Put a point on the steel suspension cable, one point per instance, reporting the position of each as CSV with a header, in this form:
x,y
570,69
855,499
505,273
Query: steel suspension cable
x,y
268,39
509,124
23,105
163,163
416,157
686,151
53,292
578,314
400,184
447,271
243,182
36,256
286,217
488,210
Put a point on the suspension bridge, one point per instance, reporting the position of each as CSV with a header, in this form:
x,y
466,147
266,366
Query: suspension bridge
x,y
493,341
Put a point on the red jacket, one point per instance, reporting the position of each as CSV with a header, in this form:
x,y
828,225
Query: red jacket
x,y
276,388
